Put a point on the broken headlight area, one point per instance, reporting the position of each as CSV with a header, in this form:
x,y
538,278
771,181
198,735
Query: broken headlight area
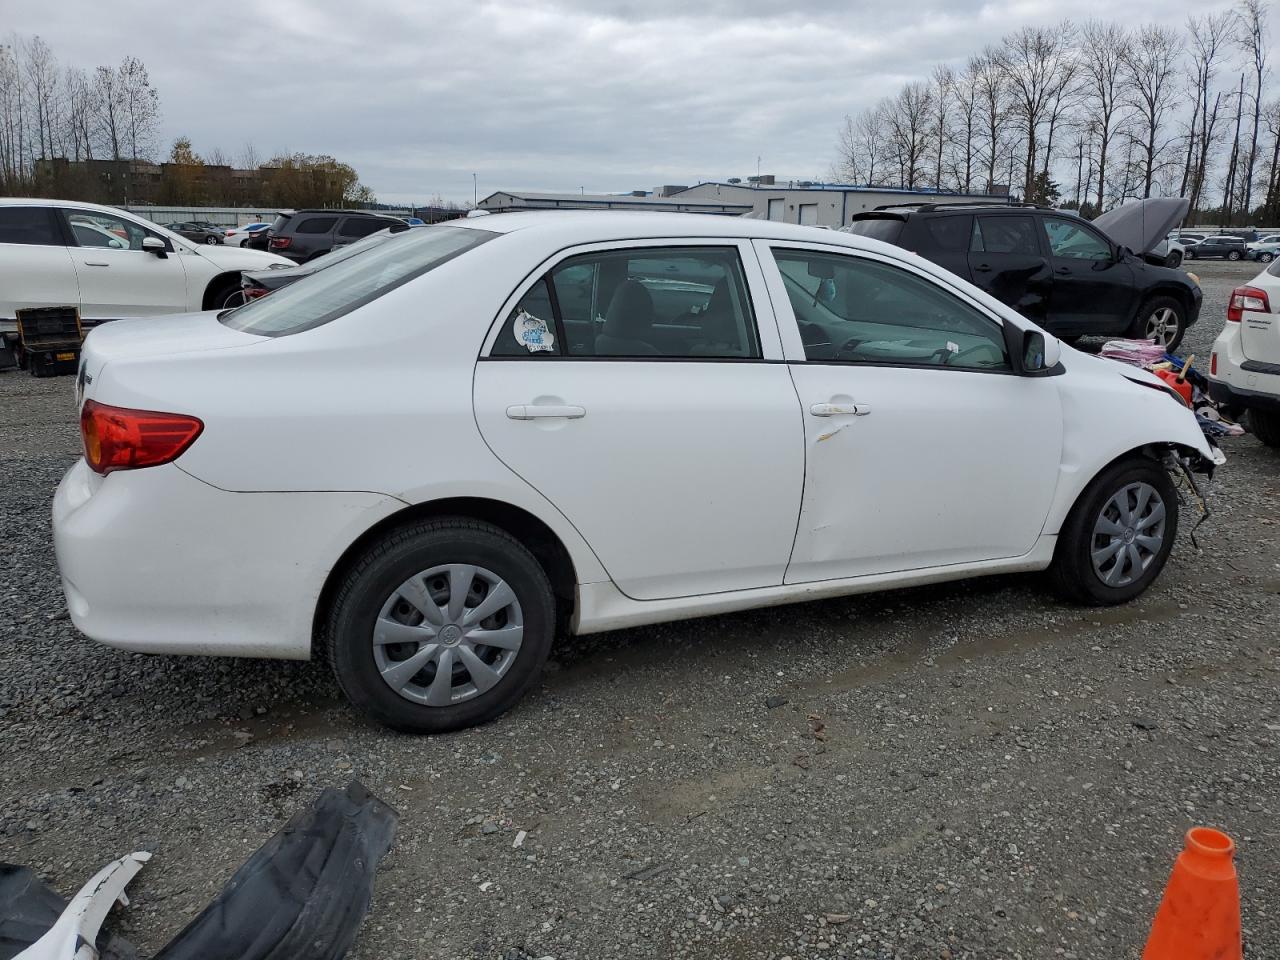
x,y
302,894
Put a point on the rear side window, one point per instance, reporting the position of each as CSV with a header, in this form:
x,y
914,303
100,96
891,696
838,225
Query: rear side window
x,y
316,225
279,223
948,234
1005,235
361,226
337,290
888,229
637,303
29,225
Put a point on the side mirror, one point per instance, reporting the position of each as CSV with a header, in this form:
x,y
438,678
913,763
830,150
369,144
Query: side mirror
x,y
155,245
1122,252
1039,354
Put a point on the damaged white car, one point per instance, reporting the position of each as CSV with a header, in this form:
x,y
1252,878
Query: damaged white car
x,y
427,459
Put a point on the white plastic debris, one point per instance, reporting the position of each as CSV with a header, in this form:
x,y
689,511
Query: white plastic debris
x,y
72,937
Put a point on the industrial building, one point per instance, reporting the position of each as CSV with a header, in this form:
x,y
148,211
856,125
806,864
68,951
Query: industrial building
x,y
761,197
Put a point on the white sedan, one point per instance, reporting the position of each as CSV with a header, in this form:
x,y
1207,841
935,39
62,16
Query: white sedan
x,y
110,264
236,236
426,459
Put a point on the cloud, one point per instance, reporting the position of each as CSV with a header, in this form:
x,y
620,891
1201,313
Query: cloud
x,y
600,94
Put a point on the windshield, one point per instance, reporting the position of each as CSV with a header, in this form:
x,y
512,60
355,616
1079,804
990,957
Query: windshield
x,y
330,293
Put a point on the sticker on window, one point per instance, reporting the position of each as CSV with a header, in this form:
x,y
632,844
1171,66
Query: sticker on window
x,y
532,333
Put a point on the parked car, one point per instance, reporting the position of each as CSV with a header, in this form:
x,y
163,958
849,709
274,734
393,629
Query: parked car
x,y
258,283
1244,367
1219,247
1169,252
108,263
1067,274
239,236
197,232
590,421
1186,239
1263,251
302,235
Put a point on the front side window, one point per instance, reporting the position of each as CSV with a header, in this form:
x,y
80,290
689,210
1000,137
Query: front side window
x,y
29,225
94,228
677,302
855,310
337,290
1074,242
316,225
1004,235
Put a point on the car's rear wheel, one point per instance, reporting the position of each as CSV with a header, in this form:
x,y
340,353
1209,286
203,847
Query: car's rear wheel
x,y
1265,426
441,625
1265,257
210,239
1118,535
1191,253
1233,254
1162,319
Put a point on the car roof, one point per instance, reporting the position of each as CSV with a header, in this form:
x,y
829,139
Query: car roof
x,y
599,226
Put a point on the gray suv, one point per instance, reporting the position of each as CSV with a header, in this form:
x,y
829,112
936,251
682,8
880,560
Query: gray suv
x,y
303,235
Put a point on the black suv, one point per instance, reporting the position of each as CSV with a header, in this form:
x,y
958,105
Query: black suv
x,y
1221,245
1051,266
303,235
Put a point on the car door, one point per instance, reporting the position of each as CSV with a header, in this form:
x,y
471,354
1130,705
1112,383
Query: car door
x,y
35,265
1093,288
639,387
117,277
1007,260
922,447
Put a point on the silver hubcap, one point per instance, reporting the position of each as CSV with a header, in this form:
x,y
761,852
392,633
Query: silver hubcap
x,y
447,634
1128,534
1162,326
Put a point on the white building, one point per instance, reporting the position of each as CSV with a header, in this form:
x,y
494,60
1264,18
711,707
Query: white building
x,y
507,200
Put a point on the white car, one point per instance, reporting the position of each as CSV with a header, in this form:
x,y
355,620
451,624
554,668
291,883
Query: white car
x,y
111,264
441,451
236,236
1244,367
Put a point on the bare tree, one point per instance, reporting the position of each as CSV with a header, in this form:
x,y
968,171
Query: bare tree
x,y
1104,47
1271,117
908,117
1208,38
993,107
1253,41
968,94
141,105
109,120
12,161
40,76
944,83
81,111
249,159
1150,69
1037,63
1229,181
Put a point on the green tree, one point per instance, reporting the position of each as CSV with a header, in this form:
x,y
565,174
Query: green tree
x,y
1044,191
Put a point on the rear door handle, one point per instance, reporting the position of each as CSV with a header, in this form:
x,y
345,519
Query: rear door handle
x,y
840,409
540,411
983,268
1063,271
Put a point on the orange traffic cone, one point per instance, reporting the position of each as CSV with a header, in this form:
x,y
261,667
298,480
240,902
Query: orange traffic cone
x,y
1199,917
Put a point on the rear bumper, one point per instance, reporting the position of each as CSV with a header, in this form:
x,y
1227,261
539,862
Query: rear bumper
x,y
1230,396
157,561
1240,381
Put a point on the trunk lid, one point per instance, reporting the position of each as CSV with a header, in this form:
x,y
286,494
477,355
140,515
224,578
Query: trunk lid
x,y
1260,332
153,337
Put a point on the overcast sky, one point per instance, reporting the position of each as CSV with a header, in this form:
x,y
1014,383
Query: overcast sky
x,y
607,96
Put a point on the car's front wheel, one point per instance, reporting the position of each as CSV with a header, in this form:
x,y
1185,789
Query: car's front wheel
x,y
1266,257
211,239
1118,535
443,624
1233,254
1265,426
1162,319
1174,260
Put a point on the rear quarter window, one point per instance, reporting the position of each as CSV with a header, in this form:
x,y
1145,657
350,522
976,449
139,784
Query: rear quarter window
x,y
316,225
950,234
888,229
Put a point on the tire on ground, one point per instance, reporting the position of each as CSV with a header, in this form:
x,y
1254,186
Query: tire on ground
x,y
388,563
1150,306
1071,574
1265,425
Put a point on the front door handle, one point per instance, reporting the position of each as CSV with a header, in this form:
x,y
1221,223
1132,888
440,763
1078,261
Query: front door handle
x,y
96,263
1063,271
840,409
540,411
983,268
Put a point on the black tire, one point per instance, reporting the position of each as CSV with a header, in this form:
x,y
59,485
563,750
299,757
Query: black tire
x,y
226,295
1149,308
1072,575
210,239
396,558
1233,254
1174,260
1265,426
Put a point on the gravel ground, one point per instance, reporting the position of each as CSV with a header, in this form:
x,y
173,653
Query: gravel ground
x,y
965,771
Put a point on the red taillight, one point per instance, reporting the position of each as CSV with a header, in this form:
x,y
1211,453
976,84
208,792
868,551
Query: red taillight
x,y
116,438
1213,364
252,293
1246,298
280,243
